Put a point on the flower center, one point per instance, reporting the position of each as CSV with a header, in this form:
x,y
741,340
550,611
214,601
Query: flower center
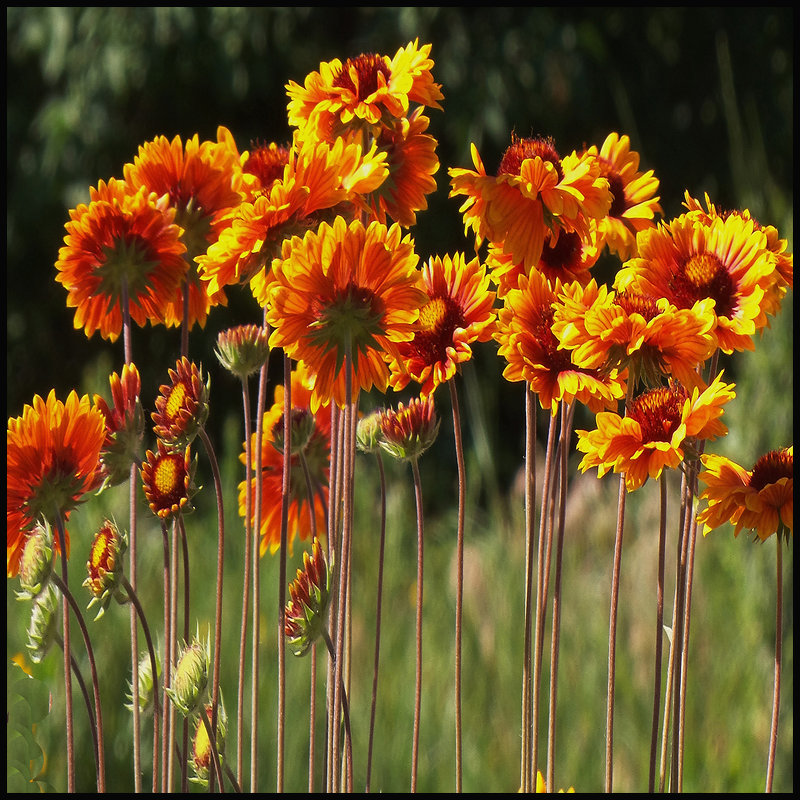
x,y
565,254
619,204
632,303
168,477
658,412
438,319
102,555
523,149
366,69
704,275
266,162
176,400
770,468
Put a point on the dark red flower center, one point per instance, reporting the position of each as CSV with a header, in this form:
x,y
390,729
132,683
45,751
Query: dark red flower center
x,y
704,275
523,149
266,163
438,319
565,254
770,468
659,411
619,204
632,303
366,69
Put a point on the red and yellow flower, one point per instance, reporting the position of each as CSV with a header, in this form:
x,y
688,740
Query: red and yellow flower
x,y
760,499
316,453
309,596
123,244
345,290
407,431
182,405
459,311
534,190
693,258
533,353
52,463
659,428
634,203
167,477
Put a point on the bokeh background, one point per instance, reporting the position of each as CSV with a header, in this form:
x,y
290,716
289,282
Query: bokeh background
x,y
707,98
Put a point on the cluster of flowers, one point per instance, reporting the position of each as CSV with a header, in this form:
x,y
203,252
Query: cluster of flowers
x,y
316,229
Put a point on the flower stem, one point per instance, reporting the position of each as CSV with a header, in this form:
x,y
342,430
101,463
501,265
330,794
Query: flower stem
x,y
776,694
418,689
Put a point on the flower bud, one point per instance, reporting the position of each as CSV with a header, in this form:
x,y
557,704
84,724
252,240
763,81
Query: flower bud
x,y
146,683
43,625
190,677
201,756
308,604
36,563
243,350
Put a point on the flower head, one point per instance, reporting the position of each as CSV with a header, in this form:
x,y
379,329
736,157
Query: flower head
x,y
243,350
182,405
168,478
760,499
345,290
459,311
634,203
534,190
312,433
309,595
104,567
190,677
534,354
659,429
52,462
408,431
200,759
124,244
124,426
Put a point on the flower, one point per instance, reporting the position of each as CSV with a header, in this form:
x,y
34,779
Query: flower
x,y
316,454
309,595
36,562
52,462
243,350
342,99
408,431
345,290
203,183
628,330
459,311
200,759
124,425
182,405
534,190
634,203
104,567
168,481
690,259
190,677
123,244
533,353
760,499
659,428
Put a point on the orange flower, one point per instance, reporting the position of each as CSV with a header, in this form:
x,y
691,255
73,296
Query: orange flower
x,y
182,405
527,342
694,258
459,312
124,243
658,428
316,452
345,290
761,499
534,190
635,202
408,431
52,462
629,330
344,98
167,478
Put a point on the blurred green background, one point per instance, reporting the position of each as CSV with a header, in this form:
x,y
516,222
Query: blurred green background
x,y
706,95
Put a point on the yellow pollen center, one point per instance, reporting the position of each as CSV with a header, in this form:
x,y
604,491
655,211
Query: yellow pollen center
x,y
432,314
166,476
702,268
176,399
100,549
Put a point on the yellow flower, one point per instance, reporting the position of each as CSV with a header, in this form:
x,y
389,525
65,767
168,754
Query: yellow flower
x,y
658,430
761,499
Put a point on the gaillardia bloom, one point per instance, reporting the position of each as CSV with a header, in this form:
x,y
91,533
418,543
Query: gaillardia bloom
x,y
104,567
309,596
124,244
345,290
182,405
760,499
201,181
634,203
168,476
627,330
408,431
124,425
534,190
343,99
52,462
303,518
660,427
690,259
459,312
533,353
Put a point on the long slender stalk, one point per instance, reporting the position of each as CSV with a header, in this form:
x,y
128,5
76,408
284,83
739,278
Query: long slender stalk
x,y
169,638
345,715
418,684
98,714
459,573
185,724
776,693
